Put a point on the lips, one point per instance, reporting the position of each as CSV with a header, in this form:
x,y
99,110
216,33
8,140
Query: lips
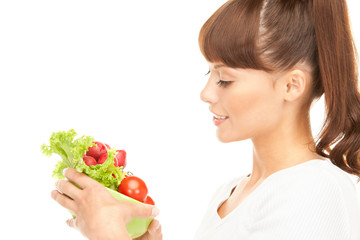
x,y
219,119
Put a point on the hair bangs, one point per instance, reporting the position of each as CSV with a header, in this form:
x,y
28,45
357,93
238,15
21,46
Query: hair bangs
x,y
235,47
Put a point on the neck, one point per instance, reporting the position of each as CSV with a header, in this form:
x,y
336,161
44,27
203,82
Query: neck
x,y
286,146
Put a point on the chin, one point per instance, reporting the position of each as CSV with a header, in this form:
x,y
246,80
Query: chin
x,y
224,138
227,138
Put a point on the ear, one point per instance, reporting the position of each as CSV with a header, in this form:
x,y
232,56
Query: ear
x,y
295,84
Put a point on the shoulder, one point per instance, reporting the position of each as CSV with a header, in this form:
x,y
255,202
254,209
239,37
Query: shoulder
x,y
318,195
316,183
320,176
324,179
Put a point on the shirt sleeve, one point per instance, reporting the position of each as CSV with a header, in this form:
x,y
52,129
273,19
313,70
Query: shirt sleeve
x,y
311,209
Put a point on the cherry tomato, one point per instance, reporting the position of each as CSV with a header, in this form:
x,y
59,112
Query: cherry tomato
x,y
149,200
133,187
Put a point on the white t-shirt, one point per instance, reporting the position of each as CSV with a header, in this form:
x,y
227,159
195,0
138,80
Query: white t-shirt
x,y
314,200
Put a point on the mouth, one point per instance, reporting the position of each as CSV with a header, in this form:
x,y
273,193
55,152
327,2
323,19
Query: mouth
x,y
218,119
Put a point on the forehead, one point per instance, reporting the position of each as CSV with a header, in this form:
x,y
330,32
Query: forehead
x,y
221,67
217,66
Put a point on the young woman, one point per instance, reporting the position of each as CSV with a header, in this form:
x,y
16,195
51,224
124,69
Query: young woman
x,y
268,61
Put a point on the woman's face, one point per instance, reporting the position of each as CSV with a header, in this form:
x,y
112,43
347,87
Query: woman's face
x,y
245,102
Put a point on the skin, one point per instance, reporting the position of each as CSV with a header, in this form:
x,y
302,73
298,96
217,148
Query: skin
x,y
269,109
98,214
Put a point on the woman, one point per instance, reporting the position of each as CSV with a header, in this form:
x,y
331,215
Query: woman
x,y
269,60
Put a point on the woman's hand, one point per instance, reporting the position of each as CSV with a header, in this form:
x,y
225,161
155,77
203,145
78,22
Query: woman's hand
x,y
98,214
153,233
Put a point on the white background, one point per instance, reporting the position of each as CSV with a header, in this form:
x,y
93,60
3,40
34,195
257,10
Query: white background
x,y
128,73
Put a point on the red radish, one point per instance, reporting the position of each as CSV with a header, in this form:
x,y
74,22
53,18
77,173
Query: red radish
x,y
149,200
89,160
97,150
107,146
120,158
102,158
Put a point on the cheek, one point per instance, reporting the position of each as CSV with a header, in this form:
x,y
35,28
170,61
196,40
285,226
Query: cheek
x,y
254,108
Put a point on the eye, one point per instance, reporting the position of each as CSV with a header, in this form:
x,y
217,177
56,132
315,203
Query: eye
x,y
207,73
222,83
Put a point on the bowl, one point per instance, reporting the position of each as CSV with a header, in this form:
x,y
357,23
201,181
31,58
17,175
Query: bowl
x,y
137,226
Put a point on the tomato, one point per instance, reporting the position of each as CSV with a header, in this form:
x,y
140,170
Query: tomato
x,y
149,200
102,158
89,160
120,158
97,150
134,187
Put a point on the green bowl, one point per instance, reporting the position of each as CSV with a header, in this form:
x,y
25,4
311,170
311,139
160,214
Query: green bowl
x,y
137,226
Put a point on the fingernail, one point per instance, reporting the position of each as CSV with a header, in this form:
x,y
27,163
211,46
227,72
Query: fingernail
x,y
65,169
57,186
155,211
157,227
56,183
53,194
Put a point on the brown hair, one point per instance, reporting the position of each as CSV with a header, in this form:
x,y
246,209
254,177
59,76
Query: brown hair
x,y
275,35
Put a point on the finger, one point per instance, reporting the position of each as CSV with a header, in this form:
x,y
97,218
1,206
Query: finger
x,y
67,188
72,222
155,230
137,210
64,201
78,178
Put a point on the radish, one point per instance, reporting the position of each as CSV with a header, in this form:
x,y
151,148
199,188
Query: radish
x,y
102,158
89,160
97,150
120,158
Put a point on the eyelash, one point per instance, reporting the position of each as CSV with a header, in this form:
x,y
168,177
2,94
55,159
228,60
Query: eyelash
x,y
220,83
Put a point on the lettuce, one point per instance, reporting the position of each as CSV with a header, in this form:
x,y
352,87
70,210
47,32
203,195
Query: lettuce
x,y
72,150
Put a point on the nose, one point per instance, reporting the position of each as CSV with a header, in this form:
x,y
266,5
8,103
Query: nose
x,y
208,94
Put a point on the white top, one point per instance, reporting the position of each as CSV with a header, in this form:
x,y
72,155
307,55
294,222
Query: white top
x,y
314,200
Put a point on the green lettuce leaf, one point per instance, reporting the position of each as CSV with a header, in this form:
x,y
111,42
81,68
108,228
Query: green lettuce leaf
x,y
71,151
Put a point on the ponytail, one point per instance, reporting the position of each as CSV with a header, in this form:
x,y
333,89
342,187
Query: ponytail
x,y
337,71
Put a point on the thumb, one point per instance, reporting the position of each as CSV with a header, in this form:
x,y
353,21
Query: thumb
x,y
142,210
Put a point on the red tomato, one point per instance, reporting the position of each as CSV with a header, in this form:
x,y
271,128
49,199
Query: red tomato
x,y
97,150
120,158
149,200
133,187
89,160
102,158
